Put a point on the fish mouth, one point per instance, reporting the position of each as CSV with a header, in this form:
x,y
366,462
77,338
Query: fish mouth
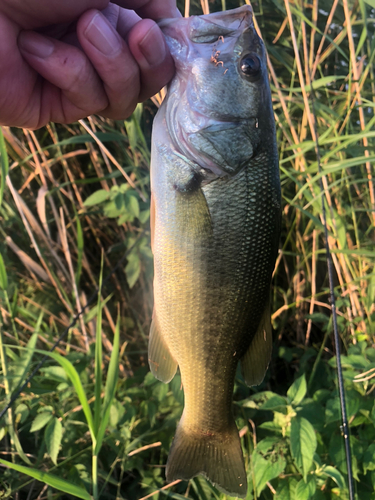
x,y
232,19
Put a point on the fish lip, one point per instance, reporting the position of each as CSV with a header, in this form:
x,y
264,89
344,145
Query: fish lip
x,y
233,13
224,23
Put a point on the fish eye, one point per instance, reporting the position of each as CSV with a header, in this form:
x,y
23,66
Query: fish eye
x,y
250,65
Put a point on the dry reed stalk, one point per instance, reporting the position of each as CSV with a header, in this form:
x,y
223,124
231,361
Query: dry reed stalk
x,y
313,286
85,262
317,61
187,8
332,241
68,258
173,483
144,448
95,160
20,205
205,7
281,97
314,19
30,264
111,157
281,30
362,120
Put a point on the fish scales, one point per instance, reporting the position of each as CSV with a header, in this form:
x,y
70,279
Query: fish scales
x,y
215,231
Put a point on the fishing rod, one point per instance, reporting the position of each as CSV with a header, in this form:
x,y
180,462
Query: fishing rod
x,y
65,332
344,418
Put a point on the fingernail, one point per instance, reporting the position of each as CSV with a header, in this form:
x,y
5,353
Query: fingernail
x,y
102,36
153,46
36,44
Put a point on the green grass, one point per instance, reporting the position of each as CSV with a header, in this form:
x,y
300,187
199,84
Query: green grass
x,y
76,193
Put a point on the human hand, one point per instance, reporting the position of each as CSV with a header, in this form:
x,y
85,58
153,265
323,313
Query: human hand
x,y
79,61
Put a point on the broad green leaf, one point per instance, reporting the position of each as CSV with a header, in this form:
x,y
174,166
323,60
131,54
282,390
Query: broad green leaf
x,y
329,471
21,367
306,489
369,459
132,205
265,470
77,384
297,390
50,479
275,403
286,489
97,197
302,444
3,275
160,391
267,400
332,413
133,269
201,488
55,373
21,413
338,455
52,437
371,3
40,421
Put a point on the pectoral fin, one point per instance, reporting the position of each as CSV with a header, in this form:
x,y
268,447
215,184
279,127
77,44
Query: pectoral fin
x,y
161,362
255,362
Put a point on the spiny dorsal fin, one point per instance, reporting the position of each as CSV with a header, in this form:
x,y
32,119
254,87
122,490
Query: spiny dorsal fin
x,y
255,362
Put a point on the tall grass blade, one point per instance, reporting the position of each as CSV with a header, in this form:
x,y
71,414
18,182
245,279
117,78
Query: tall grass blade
x,y
16,443
24,362
3,274
110,387
50,479
98,355
77,384
4,165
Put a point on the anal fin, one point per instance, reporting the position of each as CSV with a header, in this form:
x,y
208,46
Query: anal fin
x,y
255,362
161,362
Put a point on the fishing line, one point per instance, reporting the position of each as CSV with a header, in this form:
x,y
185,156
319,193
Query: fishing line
x,y
65,332
344,417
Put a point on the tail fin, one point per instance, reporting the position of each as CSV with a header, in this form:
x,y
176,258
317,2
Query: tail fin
x,y
217,457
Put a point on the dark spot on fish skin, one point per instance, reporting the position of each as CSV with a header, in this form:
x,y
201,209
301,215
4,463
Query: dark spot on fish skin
x,y
207,433
191,184
154,363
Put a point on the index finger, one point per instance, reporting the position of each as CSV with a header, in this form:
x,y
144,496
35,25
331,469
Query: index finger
x,y
152,9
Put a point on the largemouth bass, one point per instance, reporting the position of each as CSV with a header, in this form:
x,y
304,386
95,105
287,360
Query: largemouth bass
x,y
215,221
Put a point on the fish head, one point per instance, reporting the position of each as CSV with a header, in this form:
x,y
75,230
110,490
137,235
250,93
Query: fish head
x,y
218,107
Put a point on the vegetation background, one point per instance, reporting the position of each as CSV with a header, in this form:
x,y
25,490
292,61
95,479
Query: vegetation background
x,y
93,422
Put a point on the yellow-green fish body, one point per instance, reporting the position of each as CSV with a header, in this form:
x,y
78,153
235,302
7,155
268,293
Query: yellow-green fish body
x,y
215,231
